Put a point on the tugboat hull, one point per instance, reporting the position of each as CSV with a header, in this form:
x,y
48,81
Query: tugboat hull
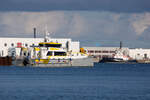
x,y
111,60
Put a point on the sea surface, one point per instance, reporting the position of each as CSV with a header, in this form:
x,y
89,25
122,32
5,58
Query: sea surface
x,y
102,82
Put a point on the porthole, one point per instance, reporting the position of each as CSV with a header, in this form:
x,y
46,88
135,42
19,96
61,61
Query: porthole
x,y
12,44
5,44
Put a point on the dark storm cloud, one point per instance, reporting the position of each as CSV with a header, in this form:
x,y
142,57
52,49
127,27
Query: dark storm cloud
x,y
98,5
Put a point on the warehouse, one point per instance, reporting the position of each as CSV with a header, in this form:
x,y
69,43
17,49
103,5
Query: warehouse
x,y
6,43
139,53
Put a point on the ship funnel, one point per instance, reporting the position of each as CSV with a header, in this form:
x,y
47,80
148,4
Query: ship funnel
x,y
34,30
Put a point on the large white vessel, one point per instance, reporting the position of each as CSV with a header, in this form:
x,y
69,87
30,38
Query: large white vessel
x,y
50,53
47,52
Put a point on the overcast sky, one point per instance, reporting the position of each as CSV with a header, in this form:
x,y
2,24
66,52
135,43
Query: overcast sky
x,y
94,5
93,22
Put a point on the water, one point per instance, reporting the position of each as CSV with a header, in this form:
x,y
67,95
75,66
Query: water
x,y
103,82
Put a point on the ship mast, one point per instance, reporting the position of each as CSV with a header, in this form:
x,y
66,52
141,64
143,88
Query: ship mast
x,y
47,35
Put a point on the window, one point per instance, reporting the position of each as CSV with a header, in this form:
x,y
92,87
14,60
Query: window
x,y
49,45
145,55
90,51
26,44
5,44
60,53
105,51
49,53
99,51
96,51
12,44
112,51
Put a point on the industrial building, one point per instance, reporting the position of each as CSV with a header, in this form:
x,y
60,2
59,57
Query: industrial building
x,y
100,52
139,53
6,43
73,46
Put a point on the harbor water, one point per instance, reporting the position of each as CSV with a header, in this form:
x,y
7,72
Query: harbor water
x,y
104,81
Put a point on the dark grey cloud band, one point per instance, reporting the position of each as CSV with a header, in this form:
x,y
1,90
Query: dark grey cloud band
x,y
92,5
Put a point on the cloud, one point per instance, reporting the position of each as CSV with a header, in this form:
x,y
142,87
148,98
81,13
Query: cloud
x,y
141,22
23,22
90,27
86,5
145,35
77,25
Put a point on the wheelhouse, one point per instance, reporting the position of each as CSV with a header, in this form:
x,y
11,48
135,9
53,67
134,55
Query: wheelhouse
x,y
50,44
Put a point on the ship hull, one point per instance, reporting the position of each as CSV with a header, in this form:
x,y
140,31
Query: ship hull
x,y
112,60
105,60
85,62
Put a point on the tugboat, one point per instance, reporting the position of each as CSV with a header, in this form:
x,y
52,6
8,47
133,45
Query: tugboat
x,y
117,57
120,57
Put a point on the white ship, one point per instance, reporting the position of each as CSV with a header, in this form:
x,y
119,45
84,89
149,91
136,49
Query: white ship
x,y
49,53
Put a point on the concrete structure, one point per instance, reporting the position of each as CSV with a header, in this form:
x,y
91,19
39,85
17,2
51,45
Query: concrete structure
x,y
100,52
6,43
139,53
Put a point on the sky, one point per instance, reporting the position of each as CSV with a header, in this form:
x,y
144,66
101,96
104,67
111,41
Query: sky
x,y
92,22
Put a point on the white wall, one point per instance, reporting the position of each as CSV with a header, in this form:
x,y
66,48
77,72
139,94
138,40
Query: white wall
x,y
10,41
109,49
75,46
139,53
35,41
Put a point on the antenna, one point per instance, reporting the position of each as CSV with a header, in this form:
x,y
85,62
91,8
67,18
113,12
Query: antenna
x,y
47,34
34,30
120,44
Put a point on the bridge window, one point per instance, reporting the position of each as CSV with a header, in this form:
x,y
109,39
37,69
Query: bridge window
x,y
60,53
49,53
49,45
